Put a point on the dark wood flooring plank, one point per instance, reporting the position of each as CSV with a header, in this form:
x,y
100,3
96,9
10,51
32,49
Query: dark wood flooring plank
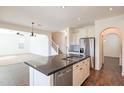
x,y
109,75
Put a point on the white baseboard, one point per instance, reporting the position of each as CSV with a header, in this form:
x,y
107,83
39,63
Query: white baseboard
x,y
98,68
122,74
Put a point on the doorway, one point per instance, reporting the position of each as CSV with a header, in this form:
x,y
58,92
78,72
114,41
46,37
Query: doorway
x,y
111,48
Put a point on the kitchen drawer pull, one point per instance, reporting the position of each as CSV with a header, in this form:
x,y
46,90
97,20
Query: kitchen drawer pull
x,y
81,68
68,70
64,72
77,65
59,75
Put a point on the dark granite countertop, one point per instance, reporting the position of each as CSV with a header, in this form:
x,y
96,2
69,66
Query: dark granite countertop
x,y
52,64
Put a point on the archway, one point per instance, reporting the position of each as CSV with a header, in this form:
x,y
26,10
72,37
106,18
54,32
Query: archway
x,y
111,30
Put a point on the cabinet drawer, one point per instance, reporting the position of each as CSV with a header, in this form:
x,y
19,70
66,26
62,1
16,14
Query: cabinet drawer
x,y
77,66
88,59
87,62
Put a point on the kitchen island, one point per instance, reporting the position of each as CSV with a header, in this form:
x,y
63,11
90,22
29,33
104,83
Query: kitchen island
x,y
59,70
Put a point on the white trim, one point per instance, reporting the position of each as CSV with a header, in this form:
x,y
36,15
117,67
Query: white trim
x,y
122,73
98,67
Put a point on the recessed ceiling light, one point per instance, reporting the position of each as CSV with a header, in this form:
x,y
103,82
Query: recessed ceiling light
x,y
110,9
79,18
63,6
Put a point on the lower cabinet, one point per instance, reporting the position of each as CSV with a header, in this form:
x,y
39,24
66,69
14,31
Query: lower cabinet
x,y
73,75
39,79
76,77
81,71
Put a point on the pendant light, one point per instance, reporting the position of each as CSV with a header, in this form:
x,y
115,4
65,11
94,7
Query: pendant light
x,y
32,33
19,34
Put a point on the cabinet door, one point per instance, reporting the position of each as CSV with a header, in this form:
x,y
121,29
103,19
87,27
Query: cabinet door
x,y
76,66
85,70
83,73
76,77
87,63
38,79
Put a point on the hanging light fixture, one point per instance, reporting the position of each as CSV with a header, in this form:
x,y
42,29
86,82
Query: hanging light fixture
x,y
19,34
32,33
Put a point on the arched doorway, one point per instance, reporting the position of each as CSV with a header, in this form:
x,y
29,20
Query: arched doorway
x,y
103,34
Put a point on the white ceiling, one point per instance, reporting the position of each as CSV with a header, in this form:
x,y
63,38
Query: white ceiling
x,y
56,18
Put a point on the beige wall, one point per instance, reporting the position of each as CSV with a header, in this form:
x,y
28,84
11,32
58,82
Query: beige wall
x,y
112,45
101,25
59,39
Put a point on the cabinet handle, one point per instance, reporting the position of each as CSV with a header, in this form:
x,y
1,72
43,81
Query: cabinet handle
x,y
81,68
64,72
77,66
59,75
68,70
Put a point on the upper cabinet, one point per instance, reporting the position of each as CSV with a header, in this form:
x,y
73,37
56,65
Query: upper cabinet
x,y
77,33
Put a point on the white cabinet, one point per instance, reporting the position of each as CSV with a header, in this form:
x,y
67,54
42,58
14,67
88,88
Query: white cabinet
x,y
81,71
39,79
74,75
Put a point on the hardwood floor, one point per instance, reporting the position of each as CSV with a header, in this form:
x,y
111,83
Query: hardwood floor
x,y
109,75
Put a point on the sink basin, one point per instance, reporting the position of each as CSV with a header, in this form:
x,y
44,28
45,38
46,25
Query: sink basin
x,y
77,56
72,58
68,59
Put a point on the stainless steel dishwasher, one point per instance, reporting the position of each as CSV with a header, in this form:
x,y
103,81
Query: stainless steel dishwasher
x,y
63,77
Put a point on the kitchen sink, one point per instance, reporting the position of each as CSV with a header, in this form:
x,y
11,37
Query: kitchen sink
x,y
68,59
72,58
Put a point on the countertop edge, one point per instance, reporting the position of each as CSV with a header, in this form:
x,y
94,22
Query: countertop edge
x,y
48,74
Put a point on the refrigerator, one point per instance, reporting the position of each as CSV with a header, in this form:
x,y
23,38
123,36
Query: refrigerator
x,y
87,48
